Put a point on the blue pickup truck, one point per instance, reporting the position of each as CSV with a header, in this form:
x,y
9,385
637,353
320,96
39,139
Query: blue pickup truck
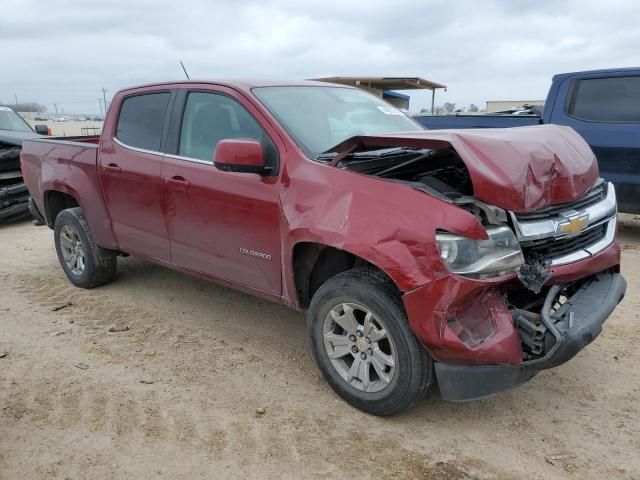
x,y
602,105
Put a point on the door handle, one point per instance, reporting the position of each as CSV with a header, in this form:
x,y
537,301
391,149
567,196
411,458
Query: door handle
x,y
112,167
178,182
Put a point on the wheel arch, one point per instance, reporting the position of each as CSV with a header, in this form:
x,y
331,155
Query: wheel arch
x,y
58,196
314,263
55,201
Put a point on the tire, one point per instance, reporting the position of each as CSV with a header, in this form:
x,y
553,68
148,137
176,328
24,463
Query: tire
x,y
374,302
98,266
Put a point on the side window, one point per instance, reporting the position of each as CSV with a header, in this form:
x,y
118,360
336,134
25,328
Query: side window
x,y
615,99
211,117
140,121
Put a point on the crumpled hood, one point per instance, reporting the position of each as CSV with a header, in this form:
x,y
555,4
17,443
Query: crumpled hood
x,y
519,169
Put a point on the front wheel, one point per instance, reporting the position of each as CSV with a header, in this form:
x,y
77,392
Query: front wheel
x,y
361,341
78,254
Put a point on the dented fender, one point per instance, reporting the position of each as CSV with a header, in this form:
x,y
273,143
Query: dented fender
x,y
385,223
461,320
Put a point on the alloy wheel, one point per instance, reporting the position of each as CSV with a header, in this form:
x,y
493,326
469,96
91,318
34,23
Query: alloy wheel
x,y
72,250
359,347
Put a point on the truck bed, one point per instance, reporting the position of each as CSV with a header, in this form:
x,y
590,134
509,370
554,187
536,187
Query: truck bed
x,y
84,139
47,160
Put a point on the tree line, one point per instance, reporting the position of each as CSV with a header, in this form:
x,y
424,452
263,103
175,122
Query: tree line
x,y
26,107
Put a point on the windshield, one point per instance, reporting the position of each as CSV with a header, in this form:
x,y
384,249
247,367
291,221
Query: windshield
x,y
10,120
319,118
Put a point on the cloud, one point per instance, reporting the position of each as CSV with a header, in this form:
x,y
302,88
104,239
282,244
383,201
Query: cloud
x,y
64,52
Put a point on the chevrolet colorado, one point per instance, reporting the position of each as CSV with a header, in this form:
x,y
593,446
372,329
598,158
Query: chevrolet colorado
x,y
477,257
601,105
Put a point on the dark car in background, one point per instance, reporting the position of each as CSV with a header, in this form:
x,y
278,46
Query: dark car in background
x,y
14,197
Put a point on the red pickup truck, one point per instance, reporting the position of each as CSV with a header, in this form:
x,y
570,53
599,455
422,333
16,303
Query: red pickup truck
x,y
477,257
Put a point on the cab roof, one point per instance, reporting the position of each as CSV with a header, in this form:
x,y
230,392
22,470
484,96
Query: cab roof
x,y
603,71
240,84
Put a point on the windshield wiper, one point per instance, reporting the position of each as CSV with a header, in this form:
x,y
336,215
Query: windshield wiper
x,y
392,168
326,156
381,153
367,154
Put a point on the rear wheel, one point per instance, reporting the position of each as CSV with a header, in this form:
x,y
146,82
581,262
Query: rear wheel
x,y
362,343
79,256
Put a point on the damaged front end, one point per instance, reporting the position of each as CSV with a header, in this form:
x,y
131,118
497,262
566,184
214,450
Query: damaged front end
x,y
543,297
539,287
492,335
551,331
14,196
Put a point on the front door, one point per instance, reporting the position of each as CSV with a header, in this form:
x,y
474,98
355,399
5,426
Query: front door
x,y
130,174
220,223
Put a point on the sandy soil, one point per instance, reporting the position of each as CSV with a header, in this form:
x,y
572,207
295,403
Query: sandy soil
x,y
215,356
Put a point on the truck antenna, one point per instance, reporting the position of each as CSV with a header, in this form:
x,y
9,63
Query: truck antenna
x,y
184,70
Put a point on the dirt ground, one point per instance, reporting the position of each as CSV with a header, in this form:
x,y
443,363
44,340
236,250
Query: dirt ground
x,y
176,396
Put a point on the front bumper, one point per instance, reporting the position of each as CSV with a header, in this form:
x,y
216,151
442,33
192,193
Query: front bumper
x,y
572,327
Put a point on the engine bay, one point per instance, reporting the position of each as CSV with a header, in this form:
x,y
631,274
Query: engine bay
x,y
439,172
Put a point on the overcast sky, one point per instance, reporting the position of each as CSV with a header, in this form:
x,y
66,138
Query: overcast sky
x,y
67,51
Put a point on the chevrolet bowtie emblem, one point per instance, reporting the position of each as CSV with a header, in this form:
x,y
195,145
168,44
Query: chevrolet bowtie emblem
x,y
574,224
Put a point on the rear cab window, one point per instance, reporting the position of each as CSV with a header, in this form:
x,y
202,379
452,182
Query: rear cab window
x,y
613,99
141,119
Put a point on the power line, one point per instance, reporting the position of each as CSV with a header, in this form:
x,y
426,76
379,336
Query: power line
x,y
104,97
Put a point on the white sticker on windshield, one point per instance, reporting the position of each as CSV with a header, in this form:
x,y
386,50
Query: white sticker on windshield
x,y
5,109
389,110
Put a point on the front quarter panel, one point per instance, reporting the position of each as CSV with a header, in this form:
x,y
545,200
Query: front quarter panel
x,y
390,225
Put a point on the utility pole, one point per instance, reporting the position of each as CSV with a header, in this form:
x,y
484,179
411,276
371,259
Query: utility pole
x,y
55,106
16,97
100,103
104,97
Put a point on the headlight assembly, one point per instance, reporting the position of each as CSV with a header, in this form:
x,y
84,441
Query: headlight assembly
x,y
499,255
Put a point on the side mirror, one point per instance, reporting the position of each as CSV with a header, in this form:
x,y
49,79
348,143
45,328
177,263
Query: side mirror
x,y
42,130
240,155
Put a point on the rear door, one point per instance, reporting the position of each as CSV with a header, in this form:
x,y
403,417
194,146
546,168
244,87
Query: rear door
x,y
605,110
131,162
222,224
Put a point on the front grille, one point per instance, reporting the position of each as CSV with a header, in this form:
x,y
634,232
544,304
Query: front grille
x,y
552,247
595,195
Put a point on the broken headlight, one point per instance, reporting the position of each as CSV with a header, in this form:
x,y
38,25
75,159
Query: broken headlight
x,y
499,255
